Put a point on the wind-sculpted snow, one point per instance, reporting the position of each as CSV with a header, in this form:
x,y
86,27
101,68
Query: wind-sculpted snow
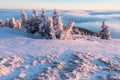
x,y
68,66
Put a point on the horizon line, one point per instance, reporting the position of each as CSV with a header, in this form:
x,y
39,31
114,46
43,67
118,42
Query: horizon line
x,y
61,9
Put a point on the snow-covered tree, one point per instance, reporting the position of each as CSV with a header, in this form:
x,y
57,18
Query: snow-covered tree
x,y
43,13
12,22
57,23
41,26
51,29
24,18
105,33
7,22
28,24
19,24
2,23
46,26
66,33
35,14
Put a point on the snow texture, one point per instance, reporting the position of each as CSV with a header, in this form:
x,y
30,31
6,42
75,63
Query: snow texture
x,y
24,57
89,58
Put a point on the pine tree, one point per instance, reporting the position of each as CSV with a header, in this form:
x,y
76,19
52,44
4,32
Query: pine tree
x,y
41,26
19,24
66,34
43,15
105,33
7,22
35,14
28,24
12,23
50,32
24,18
57,24
46,26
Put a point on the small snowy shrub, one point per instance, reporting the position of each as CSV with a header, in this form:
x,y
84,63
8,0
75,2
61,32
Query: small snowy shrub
x,y
1,23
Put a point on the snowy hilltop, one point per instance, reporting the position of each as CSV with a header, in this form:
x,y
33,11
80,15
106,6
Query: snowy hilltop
x,y
64,52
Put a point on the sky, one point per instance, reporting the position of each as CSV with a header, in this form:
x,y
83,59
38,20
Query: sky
x,y
61,4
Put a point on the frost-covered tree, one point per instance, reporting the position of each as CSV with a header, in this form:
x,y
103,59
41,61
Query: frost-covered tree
x,y
24,18
12,23
57,23
43,15
49,30
105,33
42,23
2,23
19,24
28,24
34,22
46,26
66,33
35,14
7,22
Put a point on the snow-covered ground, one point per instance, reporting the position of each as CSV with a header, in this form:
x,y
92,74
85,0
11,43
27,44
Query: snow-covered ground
x,y
25,58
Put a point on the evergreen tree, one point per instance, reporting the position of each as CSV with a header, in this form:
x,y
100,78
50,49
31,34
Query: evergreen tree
x,y
57,23
41,26
19,24
24,17
46,26
35,14
43,15
66,33
12,23
7,22
105,33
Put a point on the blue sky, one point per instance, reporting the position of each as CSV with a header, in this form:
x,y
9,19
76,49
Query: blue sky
x,y
61,4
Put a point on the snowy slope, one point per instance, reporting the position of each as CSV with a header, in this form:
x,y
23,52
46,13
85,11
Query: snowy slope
x,y
24,58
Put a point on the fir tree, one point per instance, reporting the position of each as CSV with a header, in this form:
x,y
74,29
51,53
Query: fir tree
x,y
57,24
46,26
105,33
35,14
24,17
66,33
7,22
12,23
